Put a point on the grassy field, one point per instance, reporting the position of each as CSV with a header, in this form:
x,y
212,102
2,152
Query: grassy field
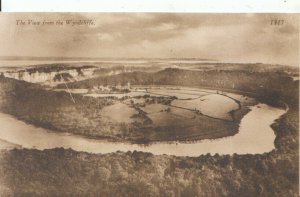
x,y
119,113
117,119
60,172
216,106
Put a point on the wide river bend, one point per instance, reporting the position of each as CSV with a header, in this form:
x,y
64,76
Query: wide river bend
x,y
255,136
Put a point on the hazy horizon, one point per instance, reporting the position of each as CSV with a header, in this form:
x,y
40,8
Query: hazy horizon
x,y
238,38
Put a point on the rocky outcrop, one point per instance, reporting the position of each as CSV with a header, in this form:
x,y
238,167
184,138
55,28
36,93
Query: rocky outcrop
x,y
44,77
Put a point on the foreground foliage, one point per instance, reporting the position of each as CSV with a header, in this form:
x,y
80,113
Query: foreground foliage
x,y
60,172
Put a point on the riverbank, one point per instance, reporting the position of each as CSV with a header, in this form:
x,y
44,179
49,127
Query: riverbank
x,y
5,145
65,172
57,112
68,173
254,137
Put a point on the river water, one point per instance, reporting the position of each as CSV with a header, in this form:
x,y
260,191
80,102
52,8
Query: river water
x,y
255,136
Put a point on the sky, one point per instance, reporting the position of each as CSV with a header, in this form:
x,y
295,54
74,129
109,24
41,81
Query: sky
x,y
224,37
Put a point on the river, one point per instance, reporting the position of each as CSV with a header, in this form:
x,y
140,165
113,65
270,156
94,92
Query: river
x,y
255,136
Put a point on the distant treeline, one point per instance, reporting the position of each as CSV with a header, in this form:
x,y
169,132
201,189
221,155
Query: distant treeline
x,y
46,68
60,172
268,86
56,110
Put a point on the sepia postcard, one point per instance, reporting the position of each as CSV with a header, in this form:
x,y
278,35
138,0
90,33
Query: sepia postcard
x,y
149,104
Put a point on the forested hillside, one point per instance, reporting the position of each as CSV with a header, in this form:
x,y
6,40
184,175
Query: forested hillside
x,y
60,172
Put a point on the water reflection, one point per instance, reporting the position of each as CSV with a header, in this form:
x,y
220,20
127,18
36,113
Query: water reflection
x,y
255,137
